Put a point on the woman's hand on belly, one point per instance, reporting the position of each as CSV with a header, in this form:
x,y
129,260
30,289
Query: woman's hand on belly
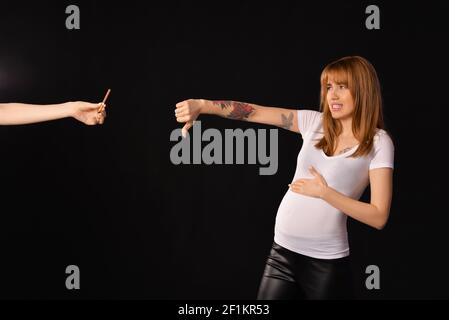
x,y
310,187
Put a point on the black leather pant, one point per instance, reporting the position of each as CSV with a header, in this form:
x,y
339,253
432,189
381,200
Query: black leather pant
x,y
290,275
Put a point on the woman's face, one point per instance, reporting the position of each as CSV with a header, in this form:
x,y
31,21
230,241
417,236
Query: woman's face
x,y
339,99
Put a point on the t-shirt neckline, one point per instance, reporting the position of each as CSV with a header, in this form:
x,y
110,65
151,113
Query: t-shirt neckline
x,y
338,155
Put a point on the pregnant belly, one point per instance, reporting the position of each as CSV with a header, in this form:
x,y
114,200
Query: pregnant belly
x,y
300,215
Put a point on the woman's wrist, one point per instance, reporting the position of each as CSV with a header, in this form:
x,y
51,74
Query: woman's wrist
x,y
203,106
69,108
73,108
324,192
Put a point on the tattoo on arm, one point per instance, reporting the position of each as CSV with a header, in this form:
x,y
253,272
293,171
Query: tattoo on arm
x,y
222,104
287,122
240,110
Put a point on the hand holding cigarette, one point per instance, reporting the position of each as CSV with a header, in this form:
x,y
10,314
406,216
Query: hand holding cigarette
x,y
103,104
89,113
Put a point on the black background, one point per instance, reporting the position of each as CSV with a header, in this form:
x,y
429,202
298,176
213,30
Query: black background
x,y
108,199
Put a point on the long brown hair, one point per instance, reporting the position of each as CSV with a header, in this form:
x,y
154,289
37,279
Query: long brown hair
x,y
362,81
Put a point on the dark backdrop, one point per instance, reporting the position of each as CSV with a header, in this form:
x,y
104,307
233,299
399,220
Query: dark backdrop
x,y
108,199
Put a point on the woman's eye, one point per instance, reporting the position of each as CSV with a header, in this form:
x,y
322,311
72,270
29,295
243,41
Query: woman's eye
x,y
342,87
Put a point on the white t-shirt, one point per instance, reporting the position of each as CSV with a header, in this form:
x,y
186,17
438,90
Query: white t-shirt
x,y
308,225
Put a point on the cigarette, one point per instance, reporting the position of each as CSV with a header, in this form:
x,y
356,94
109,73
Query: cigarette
x,y
103,105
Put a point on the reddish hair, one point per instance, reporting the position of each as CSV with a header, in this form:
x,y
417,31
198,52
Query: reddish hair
x,y
361,79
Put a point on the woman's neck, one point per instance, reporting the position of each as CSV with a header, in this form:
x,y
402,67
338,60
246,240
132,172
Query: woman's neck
x,y
346,126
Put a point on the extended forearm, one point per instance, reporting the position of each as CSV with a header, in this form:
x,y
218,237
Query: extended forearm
x,y
284,118
229,109
19,113
364,212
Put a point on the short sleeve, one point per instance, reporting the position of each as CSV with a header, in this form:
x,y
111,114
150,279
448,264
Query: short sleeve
x,y
383,153
307,120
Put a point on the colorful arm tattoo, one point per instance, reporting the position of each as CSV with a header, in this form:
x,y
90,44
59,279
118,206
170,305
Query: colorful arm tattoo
x,y
240,110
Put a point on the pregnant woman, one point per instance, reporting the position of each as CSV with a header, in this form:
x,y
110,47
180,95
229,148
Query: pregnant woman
x,y
345,149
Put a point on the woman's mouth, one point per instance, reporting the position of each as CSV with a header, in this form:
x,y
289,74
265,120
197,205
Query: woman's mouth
x,y
336,106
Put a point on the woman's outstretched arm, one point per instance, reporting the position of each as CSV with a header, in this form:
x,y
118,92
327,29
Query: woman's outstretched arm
x,y
187,111
20,113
